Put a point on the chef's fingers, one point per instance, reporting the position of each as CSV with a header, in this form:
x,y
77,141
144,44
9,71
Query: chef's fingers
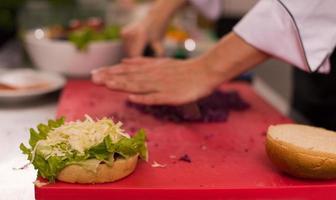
x,y
97,79
148,99
123,69
155,98
135,47
131,47
133,41
98,76
102,69
138,60
127,36
158,48
139,87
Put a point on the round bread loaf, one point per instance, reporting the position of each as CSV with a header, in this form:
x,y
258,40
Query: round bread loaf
x,y
104,173
302,151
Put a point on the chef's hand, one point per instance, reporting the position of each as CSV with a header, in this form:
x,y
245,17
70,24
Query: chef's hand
x,y
169,81
160,81
151,29
137,35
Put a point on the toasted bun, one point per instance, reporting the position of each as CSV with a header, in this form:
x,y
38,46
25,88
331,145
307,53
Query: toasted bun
x,y
302,151
105,173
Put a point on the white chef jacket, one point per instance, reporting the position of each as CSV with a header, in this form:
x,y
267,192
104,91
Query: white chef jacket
x,y
302,33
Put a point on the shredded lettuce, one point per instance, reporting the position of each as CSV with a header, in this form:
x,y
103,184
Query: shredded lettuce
x,y
58,144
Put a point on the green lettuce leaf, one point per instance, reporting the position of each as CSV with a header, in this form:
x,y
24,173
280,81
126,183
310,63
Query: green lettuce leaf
x,y
24,149
34,137
99,152
42,167
127,147
43,130
46,168
90,164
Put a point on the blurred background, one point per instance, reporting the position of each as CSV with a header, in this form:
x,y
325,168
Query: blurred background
x,y
54,35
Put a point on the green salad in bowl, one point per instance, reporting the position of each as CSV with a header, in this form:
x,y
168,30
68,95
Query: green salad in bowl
x,y
76,48
82,32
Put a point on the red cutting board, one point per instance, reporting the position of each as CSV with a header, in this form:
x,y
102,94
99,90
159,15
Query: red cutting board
x,y
228,158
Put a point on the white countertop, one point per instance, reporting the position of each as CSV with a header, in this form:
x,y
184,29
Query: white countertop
x,y
15,121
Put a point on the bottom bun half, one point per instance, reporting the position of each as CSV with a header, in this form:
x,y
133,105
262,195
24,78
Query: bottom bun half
x,y
104,173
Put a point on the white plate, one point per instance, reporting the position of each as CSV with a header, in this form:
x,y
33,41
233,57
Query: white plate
x,y
21,77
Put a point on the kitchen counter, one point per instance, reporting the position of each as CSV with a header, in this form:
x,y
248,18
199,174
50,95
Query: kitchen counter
x,y
15,120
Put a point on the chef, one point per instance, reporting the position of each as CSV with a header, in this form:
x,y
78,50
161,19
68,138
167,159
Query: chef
x,y
300,33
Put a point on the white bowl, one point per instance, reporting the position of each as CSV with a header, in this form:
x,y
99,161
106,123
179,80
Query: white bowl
x,y
63,57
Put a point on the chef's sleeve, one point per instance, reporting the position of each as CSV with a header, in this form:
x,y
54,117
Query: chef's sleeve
x,y
302,33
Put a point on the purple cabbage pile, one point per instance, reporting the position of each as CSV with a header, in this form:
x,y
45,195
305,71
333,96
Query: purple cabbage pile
x,y
214,108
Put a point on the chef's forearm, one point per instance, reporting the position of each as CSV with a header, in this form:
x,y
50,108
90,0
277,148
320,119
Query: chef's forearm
x,y
232,56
